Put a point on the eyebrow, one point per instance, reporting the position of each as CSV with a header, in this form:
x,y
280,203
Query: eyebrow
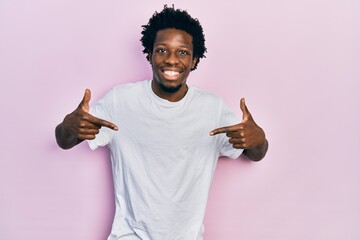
x,y
165,45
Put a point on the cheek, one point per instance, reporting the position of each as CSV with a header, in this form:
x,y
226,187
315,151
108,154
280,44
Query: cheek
x,y
188,62
155,60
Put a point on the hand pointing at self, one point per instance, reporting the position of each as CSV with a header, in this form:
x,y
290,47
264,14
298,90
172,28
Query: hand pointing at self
x,y
245,135
81,124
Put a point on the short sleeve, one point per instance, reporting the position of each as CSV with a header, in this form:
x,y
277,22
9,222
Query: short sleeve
x,y
103,109
227,118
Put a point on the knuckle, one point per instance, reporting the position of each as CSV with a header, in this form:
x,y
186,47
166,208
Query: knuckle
x,y
237,146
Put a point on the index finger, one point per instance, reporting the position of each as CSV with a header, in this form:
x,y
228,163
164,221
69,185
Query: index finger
x,y
103,123
224,130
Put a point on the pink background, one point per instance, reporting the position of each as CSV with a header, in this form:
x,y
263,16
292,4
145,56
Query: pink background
x,y
297,63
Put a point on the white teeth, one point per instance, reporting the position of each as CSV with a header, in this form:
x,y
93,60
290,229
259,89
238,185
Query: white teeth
x,y
171,73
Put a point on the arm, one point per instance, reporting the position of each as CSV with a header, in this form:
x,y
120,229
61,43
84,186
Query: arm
x,y
80,125
246,135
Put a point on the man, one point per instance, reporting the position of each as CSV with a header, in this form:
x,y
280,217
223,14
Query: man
x,y
164,136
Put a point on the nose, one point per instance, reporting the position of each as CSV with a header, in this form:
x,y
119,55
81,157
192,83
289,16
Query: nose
x,y
172,58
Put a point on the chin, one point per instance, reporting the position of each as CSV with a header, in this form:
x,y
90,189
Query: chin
x,y
170,89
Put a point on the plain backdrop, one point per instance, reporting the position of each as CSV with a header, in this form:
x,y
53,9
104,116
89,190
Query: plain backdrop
x,y
297,63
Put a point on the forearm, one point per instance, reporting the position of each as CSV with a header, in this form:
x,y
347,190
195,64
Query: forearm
x,y
257,153
65,140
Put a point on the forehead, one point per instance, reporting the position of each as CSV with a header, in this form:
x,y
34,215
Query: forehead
x,y
172,36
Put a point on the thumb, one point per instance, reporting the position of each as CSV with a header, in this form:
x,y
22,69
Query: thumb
x,y
85,101
245,111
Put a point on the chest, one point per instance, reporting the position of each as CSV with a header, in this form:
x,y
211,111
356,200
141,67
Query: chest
x,y
158,127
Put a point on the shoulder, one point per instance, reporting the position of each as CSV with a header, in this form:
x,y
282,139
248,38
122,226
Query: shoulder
x,y
129,90
207,102
204,95
123,91
126,87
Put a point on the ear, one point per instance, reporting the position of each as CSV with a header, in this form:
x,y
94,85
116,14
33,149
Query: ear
x,y
194,61
148,57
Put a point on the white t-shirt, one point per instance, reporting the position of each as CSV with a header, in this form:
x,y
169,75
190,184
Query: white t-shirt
x,y
163,159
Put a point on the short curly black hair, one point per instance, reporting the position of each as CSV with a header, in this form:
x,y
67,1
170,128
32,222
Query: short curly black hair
x,y
170,17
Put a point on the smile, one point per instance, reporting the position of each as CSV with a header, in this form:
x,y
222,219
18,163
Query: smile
x,y
171,73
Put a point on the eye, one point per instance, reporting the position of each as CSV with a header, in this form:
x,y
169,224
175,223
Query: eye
x,y
161,50
183,52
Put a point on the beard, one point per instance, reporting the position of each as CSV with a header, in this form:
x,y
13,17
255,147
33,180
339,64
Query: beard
x,y
170,89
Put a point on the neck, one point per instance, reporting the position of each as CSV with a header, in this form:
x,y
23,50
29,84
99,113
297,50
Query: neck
x,y
170,96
